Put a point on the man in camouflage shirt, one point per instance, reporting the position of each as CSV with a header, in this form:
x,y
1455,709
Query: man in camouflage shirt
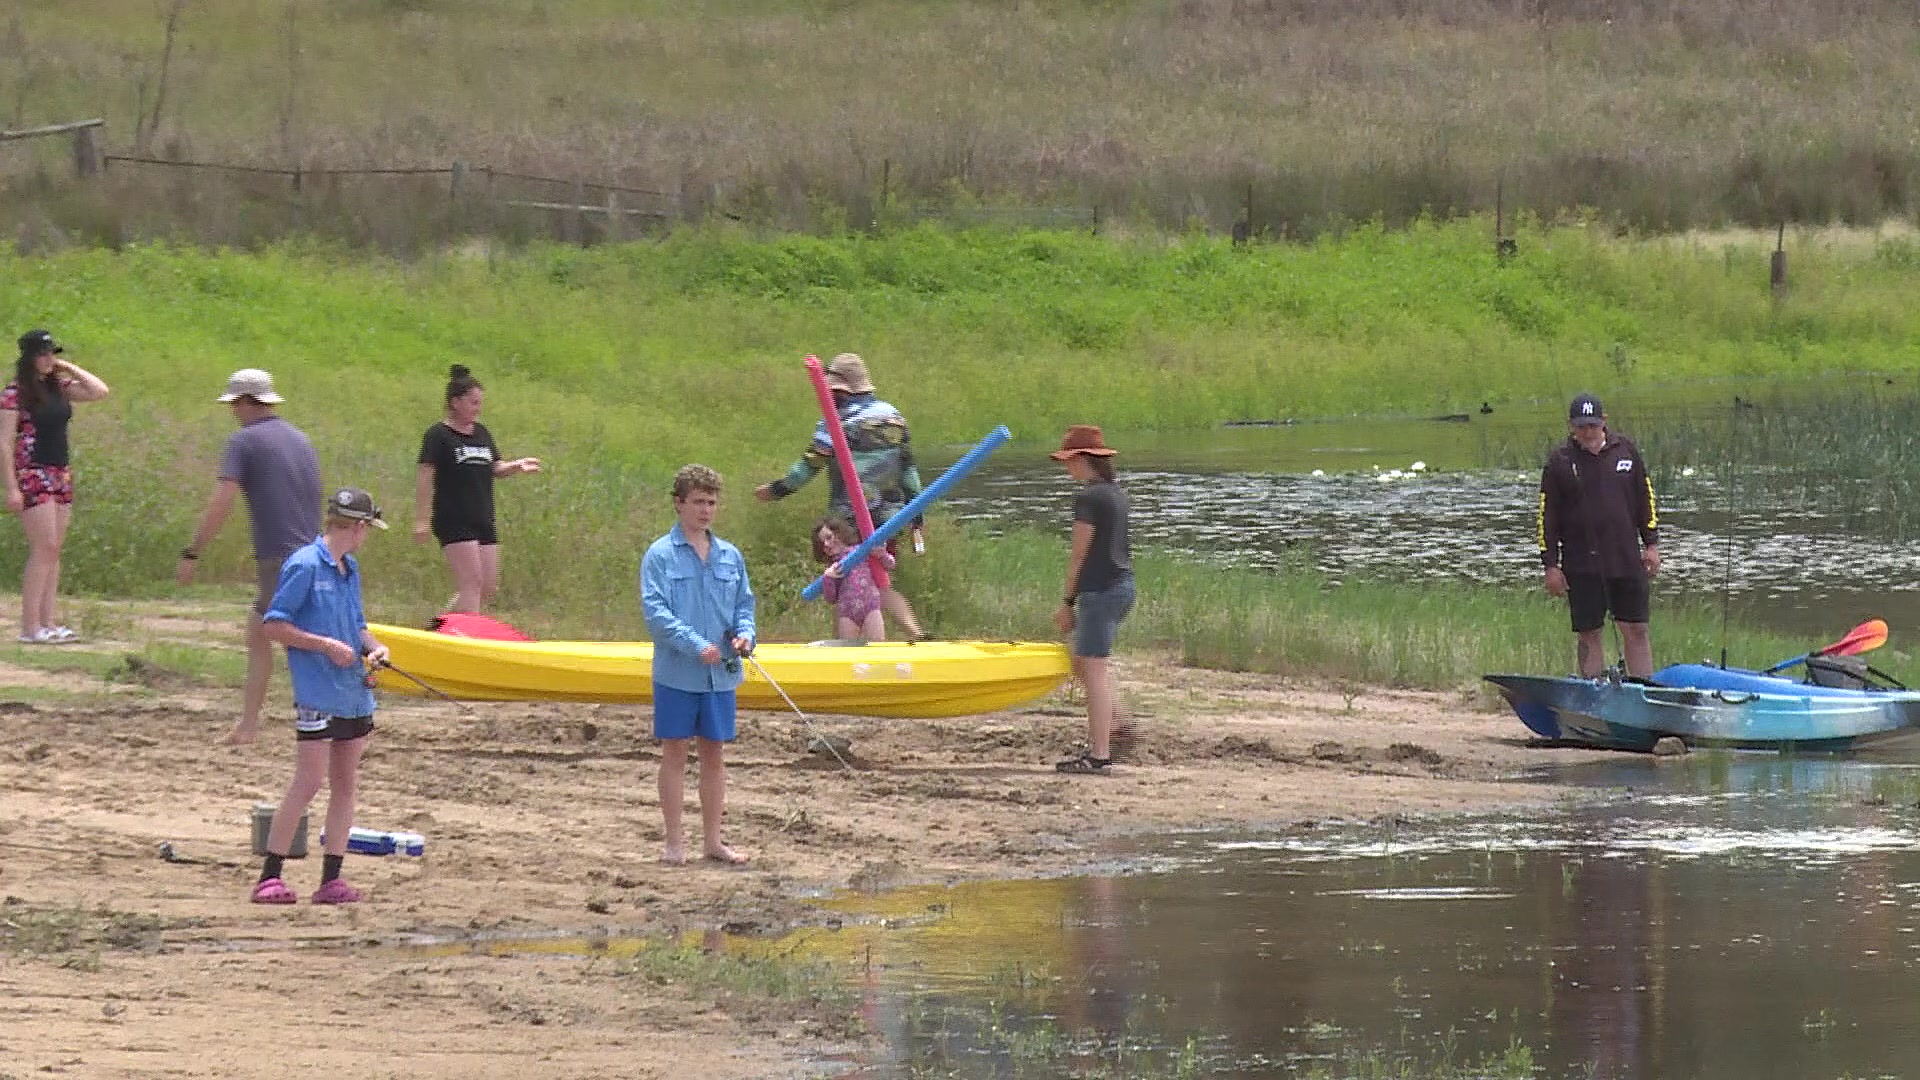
x,y
882,450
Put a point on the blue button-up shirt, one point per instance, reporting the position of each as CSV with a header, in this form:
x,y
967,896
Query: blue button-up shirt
x,y
315,596
691,604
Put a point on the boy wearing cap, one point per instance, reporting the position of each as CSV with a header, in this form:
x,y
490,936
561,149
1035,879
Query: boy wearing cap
x,y
316,613
272,465
1599,537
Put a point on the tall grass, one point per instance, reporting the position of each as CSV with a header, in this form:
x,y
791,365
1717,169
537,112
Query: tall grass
x,y
1297,622
829,112
618,364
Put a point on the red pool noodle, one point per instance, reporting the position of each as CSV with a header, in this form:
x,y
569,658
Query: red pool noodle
x,y
862,517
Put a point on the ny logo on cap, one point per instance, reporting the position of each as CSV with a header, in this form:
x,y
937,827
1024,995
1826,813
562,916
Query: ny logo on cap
x,y
1586,408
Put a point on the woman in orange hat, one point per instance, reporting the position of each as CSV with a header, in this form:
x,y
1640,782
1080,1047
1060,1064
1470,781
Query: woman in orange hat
x,y
1099,588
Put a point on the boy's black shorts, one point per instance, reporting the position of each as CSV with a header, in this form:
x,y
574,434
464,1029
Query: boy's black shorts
x,y
1590,597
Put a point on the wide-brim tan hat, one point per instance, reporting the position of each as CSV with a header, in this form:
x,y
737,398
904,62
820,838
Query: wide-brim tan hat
x,y
251,383
847,373
1082,439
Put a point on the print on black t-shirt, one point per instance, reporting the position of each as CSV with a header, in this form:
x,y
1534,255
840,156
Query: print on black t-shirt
x,y
462,482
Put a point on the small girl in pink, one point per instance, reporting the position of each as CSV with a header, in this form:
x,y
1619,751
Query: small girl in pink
x,y
855,595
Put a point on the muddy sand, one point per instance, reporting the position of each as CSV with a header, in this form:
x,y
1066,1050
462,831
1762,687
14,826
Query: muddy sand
x,y
116,963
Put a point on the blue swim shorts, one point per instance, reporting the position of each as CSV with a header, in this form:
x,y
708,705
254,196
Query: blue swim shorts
x,y
687,714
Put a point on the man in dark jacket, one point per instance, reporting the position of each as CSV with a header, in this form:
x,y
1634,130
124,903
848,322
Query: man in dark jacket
x,y
1599,536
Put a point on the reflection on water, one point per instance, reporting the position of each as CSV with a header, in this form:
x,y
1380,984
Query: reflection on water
x,y
1758,917
1820,535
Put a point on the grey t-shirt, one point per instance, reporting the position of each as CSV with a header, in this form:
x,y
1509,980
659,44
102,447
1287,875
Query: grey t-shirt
x,y
279,474
1103,505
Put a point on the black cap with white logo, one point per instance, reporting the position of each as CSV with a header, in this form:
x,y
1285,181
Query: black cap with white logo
x,y
1586,410
355,505
36,342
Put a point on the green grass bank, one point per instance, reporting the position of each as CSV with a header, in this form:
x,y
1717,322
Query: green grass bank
x,y
617,364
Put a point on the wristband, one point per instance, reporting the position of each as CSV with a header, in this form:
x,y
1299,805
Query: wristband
x,y
189,554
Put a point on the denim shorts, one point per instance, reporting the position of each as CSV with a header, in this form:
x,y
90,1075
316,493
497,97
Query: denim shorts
x,y
1097,617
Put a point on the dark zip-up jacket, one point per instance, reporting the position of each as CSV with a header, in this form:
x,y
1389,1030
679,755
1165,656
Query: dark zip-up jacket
x,y
1597,510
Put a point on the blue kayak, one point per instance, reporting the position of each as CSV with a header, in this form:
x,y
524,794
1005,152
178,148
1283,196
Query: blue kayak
x,y
1704,705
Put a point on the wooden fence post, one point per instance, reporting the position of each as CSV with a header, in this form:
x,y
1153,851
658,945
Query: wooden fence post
x,y
616,218
86,153
579,215
1777,270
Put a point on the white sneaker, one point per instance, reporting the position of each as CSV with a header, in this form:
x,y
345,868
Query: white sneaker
x,y
61,635
42,636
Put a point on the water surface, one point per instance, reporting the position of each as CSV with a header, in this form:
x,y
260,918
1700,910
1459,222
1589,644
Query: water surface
x,y
1797,507
1747,916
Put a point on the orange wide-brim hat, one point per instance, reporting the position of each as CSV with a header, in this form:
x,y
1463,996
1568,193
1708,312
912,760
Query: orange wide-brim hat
x,y
1082,439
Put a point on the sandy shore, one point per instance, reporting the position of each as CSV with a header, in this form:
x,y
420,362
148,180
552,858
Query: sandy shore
x,y
544,818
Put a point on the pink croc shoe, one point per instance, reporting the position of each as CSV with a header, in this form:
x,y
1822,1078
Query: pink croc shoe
x,y
273,891
337,891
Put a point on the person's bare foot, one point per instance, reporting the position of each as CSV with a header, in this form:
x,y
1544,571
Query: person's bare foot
x,y
674,855
724,854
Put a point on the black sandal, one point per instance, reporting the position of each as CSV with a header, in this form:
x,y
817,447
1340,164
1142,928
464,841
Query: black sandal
x,y
1084,764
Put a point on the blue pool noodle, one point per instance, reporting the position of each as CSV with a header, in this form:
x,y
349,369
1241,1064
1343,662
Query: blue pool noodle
x,y
927,497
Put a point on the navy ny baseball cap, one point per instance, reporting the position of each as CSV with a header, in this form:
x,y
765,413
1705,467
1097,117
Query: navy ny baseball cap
x,y
1586,410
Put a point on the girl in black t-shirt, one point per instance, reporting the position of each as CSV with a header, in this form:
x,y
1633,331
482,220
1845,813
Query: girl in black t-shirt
x,y
453,497
34,410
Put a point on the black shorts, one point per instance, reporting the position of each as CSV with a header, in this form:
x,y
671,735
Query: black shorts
x,y
464,532
311,726
1590,597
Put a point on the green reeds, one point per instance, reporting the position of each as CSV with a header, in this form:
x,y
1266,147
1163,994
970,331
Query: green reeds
x,y
1298,622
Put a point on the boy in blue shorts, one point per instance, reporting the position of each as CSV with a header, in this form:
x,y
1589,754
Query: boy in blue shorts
x,y
699,609
316,613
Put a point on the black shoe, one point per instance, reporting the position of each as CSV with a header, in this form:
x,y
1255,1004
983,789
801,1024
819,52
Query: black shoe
x,y
1084,764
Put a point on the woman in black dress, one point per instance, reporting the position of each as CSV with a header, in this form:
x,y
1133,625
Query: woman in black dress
x,y
458,464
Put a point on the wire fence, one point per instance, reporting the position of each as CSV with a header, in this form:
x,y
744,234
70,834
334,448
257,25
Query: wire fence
x,y
136,194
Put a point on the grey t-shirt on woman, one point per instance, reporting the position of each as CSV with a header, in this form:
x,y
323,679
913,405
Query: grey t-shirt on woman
x,y
1104,505
278,472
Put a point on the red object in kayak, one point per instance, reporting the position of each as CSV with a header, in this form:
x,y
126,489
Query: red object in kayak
x,y
463,624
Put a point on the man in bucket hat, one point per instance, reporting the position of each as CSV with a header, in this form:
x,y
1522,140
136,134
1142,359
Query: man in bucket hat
x,y
272,465
1599,537
882,456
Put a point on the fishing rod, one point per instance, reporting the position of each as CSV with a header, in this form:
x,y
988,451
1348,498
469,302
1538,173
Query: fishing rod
x,y
422,684
804,721
1726,585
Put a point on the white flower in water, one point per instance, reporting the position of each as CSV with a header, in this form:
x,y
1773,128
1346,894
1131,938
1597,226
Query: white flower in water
x,y
1688,471
1419,466
1319,472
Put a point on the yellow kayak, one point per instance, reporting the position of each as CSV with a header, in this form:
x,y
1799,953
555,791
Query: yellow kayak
x,y
890,678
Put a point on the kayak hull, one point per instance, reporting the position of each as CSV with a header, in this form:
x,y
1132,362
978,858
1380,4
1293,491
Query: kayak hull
x,y
1708,706
886,679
